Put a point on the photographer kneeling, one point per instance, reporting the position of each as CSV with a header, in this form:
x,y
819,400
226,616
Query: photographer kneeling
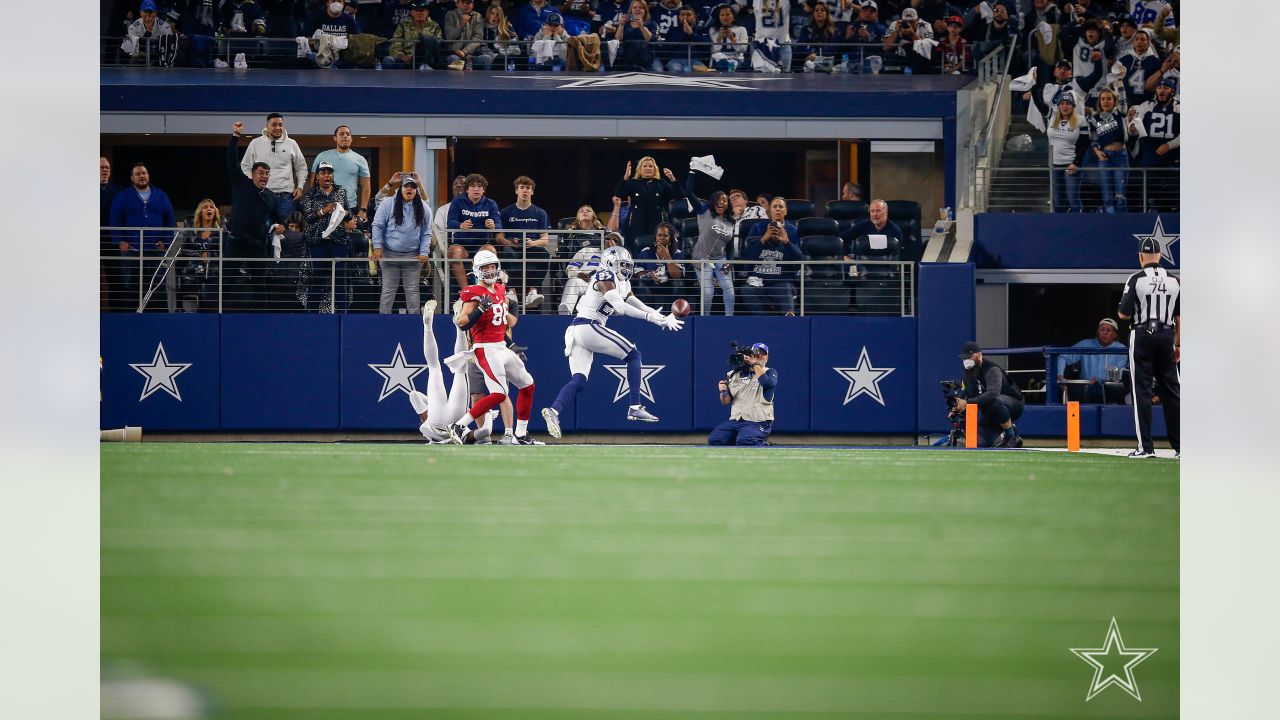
x,y
749,387
999,401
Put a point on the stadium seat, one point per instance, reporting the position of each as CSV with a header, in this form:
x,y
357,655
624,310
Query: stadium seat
x,y
641,242
798,208
906,213
816,226
678,209
854,210
688,235
878,286
825,291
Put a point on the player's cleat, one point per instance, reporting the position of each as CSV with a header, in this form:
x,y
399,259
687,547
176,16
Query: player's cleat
x,y
552,418
526,440
637,412
1177,455
508,438
470,438
532,300
456,433
428,310
1141,454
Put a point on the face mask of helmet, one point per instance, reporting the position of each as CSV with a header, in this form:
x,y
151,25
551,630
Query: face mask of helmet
x,y
486,267
619,261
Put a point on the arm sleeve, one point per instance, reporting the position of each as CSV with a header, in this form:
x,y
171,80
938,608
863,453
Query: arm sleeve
x,y
635,302
621,189
1082,146
380,220
1086,82
424,238
299,167
455,216
697,206
993,382
1127,299
614,298
311,207
1037,97
769,380
234,167
246,162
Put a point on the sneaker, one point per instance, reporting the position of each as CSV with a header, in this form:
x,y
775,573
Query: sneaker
x,y
428,310
424,68
470,438
456,433
532,300
304,48
458,65
508,438
1177,455
240,62
1141,454
1009,438
552,418
637,412
526,440
220,64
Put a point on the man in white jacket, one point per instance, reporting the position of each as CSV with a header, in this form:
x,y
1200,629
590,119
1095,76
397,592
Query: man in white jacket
x,y
284,157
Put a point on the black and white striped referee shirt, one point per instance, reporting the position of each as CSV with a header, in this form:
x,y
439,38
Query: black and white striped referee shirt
x,y
1151,294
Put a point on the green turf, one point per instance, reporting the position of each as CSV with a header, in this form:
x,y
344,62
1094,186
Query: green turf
x,y
387,582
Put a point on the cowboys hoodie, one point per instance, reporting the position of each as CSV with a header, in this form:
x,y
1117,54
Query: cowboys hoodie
x,y
288,164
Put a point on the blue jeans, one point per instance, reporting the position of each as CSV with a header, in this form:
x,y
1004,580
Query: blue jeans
x,y
324,277
724,276
1115,178
741,433
284,204
1068,185
682,65
774,292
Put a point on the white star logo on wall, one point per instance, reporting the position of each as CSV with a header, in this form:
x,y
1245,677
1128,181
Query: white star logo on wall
x,y
397,375
1166,241
624,387
632,79
1130,656
863,379
160,374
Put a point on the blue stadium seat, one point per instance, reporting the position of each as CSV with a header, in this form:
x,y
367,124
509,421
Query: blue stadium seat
x,y
678,209
798,208
854,210
906,213
817,226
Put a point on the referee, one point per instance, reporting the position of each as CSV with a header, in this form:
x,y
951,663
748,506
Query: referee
x,y
1151,298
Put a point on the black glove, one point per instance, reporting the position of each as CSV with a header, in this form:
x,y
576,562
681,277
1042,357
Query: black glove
x,y
485,302
518,350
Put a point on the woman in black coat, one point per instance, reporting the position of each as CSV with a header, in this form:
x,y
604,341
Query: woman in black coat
x,y
648,194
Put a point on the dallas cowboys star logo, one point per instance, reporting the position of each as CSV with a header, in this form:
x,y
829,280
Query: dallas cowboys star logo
x,y
632,79
1130,656
1166,241
160,374
864,379
624,387
397,375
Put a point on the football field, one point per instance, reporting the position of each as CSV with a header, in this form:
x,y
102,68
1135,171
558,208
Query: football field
x,y
397,581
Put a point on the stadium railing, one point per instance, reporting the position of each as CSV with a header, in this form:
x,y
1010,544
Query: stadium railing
x,y
1031,189
1050,387
260,52
180,279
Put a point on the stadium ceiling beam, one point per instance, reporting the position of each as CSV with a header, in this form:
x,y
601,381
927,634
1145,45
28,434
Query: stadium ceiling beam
x,y
486,126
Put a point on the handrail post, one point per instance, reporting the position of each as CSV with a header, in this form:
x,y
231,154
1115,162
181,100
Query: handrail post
x,y
803,267
333,285
1050,377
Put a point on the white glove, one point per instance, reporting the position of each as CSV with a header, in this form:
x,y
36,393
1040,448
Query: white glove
x,y
672,323
656,317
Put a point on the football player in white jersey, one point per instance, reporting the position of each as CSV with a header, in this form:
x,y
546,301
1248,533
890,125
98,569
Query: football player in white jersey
x,y
608,292
436,409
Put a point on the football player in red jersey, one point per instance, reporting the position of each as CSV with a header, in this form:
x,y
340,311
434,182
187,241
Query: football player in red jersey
x,y
484,315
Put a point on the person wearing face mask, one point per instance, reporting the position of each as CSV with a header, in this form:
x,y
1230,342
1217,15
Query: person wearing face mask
x,y
327,31
999,401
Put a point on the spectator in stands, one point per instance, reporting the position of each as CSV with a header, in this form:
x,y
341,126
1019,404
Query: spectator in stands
x,y
1097,369
772,35
768,283
1068,139
551,44
851,191
954,49
1108,134
531,16
648,194
192,273
1088,46
284,17
1049,90
398,11
587,222
1142,70
401,244
867,28
198,17
499,39
1042,52
440,224
140,40
464,29
1126,30
632,30
987,35
528,246
816,40
282,154
934,13
901,41
417,37
255,213
728,40
327,31
107,191
140,205
320,202
683,54
1157,124
472,210
877,225
1170,67
665,15
584,263
350,170
658,270
715,233
243,19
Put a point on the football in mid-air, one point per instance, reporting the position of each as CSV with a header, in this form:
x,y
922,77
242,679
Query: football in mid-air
x,y
680,308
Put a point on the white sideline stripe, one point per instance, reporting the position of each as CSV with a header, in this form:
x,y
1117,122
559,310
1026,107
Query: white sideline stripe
x,y
1114,452
150,699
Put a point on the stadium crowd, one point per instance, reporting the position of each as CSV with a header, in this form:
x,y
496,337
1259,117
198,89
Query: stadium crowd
x,y
916,36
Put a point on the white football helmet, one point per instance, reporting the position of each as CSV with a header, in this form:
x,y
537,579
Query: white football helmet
x,y
486,267
618,260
